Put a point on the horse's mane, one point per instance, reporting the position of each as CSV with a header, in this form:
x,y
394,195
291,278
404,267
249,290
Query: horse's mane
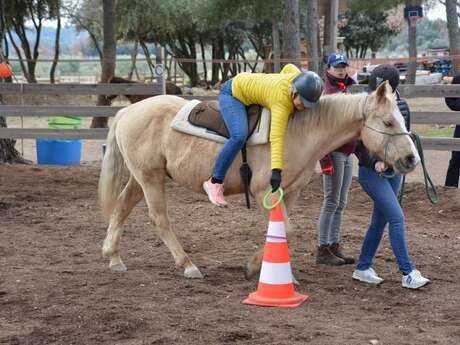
x,y
332,111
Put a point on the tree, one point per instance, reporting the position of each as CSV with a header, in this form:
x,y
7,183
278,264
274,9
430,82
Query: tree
x,y
227,26
86,16
454,33
290,30
108,56
8,153
312,35
412,65
364,31
17,13
56,10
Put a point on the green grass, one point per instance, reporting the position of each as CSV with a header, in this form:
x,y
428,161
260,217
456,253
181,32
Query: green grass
x,y
444,132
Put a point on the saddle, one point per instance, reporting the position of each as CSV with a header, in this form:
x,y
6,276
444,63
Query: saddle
x,y
207,115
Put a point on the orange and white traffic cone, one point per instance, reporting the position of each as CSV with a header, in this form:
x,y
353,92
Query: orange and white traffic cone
x,y
276,288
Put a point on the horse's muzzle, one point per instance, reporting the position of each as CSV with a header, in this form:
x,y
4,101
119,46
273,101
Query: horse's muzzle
x,y
407,164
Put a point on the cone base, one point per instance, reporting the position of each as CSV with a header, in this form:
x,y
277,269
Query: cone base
x,y
290,302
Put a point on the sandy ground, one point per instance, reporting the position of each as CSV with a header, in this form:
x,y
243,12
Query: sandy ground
x,y
55,287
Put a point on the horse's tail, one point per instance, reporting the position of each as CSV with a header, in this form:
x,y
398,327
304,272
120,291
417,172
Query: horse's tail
x,y
113,165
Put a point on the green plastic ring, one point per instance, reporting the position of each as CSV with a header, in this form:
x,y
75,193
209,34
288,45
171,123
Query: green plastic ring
x,y
269,193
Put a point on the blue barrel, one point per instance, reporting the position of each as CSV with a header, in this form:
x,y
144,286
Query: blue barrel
x,y
58,152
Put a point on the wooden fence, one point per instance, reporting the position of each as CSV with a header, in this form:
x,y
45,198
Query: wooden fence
x,y
407,91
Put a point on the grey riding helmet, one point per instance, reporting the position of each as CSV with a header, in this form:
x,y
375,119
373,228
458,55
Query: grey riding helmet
x,y
310,87
382,73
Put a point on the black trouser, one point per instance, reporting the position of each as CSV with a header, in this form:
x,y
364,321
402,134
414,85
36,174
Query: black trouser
x,y
454,164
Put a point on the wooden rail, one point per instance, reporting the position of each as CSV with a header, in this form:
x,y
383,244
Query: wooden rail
x,y
57,110
32,133
80,89
420,91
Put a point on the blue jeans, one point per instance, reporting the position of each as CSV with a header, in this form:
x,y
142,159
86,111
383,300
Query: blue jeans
x,y
383,191
335,188
236,120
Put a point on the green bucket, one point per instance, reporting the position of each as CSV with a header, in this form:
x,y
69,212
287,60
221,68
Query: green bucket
x,y
70,122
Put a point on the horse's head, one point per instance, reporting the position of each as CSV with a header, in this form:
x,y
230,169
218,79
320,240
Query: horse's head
x,y
385,134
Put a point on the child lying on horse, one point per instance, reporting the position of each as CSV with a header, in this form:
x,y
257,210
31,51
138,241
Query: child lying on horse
x,y
282,93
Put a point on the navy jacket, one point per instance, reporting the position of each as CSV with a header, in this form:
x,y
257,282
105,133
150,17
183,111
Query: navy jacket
x,y
454,102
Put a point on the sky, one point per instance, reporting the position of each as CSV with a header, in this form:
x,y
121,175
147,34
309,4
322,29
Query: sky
x,y
437,12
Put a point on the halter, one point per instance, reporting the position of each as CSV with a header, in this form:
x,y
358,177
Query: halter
x,y
390,135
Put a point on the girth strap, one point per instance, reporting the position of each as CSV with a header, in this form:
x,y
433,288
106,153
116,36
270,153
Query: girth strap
x,y
246,175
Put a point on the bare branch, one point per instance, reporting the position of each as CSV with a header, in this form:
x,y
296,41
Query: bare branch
x,y
18,52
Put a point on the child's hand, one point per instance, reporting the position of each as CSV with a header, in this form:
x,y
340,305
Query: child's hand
x,y
380,167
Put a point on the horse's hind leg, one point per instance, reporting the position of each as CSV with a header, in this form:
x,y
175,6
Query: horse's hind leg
x,y
154,190
255,262
129,197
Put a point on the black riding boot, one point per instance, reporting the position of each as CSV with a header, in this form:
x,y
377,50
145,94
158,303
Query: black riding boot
x,y
337,251
326,257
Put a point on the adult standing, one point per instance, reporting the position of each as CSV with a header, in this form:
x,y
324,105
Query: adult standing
x,y
337,168
382,185
453,171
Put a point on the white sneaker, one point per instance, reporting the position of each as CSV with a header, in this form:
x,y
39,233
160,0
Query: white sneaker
x,y
367,276
414,280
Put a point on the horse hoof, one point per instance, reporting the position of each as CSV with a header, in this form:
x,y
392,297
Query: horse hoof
x,y
120,267
193,273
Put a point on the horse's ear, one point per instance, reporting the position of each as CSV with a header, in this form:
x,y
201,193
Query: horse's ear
x,y
383,91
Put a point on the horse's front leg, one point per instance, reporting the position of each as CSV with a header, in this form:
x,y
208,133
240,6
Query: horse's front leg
x,y
255,262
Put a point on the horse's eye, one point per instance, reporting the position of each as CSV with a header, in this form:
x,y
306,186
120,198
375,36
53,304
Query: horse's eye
x,y
388,124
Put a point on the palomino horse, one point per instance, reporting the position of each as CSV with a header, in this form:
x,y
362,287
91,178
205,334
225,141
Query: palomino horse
x,y
141,140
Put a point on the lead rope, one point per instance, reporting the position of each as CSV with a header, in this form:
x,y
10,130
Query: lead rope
x,y
430,189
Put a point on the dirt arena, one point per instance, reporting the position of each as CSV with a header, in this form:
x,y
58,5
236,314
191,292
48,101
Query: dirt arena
x,y
55,287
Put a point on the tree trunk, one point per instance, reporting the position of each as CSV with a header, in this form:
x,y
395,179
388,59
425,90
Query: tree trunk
x,y
8,154
230,67
147,57
412,65
133,60
326,31
203,57
312,35
31,55
56,48
334,10
454,34
291,36
276,45
215,54
19,54
109,56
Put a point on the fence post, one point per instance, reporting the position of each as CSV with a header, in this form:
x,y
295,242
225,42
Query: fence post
x,y
159,67
22,119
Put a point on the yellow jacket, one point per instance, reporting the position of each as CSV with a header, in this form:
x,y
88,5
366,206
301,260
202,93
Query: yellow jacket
x,y
272,92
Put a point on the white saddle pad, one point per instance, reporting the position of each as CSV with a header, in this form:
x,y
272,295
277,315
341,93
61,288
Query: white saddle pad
x,y
180,123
